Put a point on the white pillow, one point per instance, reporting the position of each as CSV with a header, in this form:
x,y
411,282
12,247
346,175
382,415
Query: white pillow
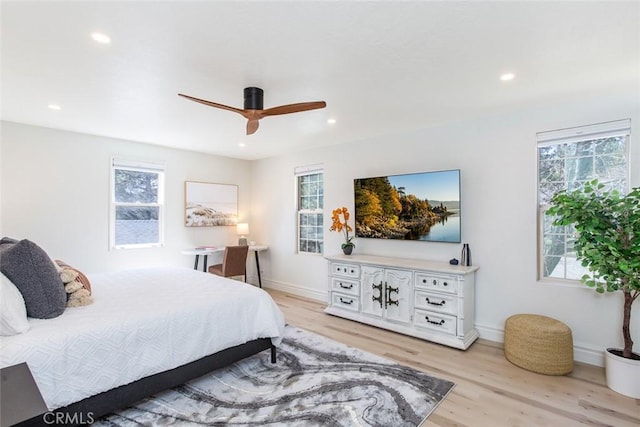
x,y
13,311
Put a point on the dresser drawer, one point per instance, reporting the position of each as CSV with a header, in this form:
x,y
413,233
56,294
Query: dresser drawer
x,y
347,302
436,282
345,270
435,321
350,287
434,301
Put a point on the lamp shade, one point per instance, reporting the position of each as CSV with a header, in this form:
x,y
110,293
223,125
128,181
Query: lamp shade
x,y
242,228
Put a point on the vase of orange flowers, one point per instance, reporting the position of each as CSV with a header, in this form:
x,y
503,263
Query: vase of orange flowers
x,y
341,225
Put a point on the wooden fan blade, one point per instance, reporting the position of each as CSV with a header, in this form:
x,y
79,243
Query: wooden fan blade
x,y
252,126
214,104
293,108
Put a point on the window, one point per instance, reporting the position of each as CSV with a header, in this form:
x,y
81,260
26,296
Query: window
x,y
566,159
310,201
137,204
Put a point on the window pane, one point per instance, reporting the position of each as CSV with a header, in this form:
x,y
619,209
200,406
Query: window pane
x,y
551,170
304,219
554,245
584,148
546,190
137,225
616,145
548,226
136,186
554,267
613,167
552,152
579,169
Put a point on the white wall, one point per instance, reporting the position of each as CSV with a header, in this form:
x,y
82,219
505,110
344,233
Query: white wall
x,y
497,159
55,191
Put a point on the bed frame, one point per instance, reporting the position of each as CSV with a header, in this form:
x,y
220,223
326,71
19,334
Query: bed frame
x,y
94,407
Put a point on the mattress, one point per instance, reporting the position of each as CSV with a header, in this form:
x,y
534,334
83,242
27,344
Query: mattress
x,y
141,322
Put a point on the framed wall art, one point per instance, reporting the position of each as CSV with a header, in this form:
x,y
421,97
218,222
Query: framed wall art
x,y
209,204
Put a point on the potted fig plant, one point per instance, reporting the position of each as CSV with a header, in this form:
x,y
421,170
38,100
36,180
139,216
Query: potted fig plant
x,y
337,224
607,242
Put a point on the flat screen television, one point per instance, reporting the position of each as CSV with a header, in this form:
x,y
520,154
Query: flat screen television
x,y
416,206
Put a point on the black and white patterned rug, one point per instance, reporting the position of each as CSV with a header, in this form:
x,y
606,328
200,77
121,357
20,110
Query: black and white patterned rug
x,y
315,382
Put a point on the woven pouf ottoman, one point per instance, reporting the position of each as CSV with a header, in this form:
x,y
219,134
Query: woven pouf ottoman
x,y
539,344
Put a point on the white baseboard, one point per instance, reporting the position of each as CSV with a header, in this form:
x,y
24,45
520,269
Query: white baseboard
x,y
581,352
590,355
298,290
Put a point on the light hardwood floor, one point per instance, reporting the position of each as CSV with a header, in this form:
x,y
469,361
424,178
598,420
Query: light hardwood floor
x,y
489,391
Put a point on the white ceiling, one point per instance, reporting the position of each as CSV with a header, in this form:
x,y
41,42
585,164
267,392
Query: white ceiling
x,y
380,66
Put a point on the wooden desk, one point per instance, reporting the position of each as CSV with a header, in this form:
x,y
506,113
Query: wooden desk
x,y
256,249
213,250
204,252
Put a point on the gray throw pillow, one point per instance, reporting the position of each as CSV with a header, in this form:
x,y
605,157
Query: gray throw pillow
x,y
31,270
7,241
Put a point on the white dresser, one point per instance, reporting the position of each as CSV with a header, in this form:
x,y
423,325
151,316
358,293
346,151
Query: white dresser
x,y
434,301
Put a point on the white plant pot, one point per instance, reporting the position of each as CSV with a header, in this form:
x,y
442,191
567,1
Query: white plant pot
x,y
623,375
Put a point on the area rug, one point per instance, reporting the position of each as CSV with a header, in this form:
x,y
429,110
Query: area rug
x,y
316,381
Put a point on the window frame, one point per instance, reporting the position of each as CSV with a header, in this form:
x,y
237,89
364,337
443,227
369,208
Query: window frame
x,y
138,166
599,131
299,173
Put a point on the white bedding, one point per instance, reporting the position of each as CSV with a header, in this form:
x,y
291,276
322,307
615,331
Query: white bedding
x,y
141,322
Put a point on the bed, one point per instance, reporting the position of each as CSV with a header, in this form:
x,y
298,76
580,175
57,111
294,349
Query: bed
x,y
147,330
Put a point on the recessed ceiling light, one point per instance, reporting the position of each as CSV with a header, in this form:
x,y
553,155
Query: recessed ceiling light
x,y
331,121
101,38
242,144
54,107
507,76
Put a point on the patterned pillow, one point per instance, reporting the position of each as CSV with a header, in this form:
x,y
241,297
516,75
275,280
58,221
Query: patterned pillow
x,y
81,276
29,267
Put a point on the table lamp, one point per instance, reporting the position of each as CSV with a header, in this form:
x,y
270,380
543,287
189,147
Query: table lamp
x,y
242,229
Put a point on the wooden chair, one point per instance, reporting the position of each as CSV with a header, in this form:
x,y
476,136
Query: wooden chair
x,y
234,262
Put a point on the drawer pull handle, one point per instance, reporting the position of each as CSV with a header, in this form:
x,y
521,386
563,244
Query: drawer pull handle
x,y
445,283
346,302
346,287
436,303
440,323
435,282
351,271
424,280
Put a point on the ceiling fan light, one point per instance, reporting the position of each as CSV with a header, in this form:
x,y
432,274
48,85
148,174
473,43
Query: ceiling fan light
x,y
101,38
507,77
253,98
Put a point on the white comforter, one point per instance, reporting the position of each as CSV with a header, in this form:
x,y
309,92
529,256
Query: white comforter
x,y
141,322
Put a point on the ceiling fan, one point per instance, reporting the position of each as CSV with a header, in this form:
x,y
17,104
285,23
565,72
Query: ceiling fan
x,y
253,110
